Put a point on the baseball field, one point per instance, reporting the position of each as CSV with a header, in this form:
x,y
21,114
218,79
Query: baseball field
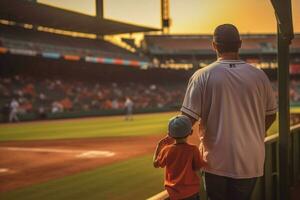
x,y
90,158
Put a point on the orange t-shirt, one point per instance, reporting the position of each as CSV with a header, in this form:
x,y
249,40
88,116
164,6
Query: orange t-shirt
x,y
181,162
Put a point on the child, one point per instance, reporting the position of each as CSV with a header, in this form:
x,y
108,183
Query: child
x,y
181,160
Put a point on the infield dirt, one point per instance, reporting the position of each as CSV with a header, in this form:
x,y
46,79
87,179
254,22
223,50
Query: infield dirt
x,y
26,163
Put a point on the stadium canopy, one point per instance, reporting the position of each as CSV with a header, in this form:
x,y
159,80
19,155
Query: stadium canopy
x,y
48,16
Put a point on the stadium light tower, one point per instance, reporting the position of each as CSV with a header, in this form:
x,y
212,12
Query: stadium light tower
x,y
99,13
165,16
99,9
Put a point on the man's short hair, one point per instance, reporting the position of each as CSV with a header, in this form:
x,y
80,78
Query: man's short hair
x,y
227,38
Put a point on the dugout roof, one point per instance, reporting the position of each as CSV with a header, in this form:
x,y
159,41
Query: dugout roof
x,y
48,16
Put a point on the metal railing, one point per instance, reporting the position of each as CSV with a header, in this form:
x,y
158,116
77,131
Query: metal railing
x,y
267,186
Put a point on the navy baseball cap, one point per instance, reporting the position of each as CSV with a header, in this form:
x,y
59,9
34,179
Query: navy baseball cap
x,y
226,34
180,126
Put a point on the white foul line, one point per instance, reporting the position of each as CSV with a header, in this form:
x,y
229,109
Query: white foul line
x,y
3,170
93,154
81,154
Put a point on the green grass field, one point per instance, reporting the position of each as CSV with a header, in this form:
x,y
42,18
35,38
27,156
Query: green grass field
x,y
147,124
86,128
131,179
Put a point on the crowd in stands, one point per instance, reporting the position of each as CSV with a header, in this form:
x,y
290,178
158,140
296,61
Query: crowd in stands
x,y
28,95
57,95
294,91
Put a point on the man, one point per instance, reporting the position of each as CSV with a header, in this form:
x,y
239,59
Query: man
x,y
129,107
14,109
236,105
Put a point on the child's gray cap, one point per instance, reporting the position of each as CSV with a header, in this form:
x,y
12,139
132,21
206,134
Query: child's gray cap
x,y
180,126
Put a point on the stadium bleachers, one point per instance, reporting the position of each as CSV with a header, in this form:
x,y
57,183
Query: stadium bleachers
x,y
28,39
201,44
178,43
296,42
257,42
58,95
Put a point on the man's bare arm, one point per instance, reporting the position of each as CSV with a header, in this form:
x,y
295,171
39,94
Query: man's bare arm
x,y
269,120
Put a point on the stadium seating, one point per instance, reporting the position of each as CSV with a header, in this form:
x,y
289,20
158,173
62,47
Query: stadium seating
x,y
201,44
20,38
296,42
259,43
178,43
57,95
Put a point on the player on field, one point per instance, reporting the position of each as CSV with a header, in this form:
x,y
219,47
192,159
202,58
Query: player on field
x,y
236,105
14,109
129,108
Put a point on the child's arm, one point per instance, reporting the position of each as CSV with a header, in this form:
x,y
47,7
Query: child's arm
x,y
161,144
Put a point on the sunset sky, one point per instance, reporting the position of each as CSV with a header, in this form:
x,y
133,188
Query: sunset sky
x,y
189,16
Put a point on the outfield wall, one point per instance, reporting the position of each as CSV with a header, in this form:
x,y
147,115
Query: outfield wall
x,y
94,113
80,114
